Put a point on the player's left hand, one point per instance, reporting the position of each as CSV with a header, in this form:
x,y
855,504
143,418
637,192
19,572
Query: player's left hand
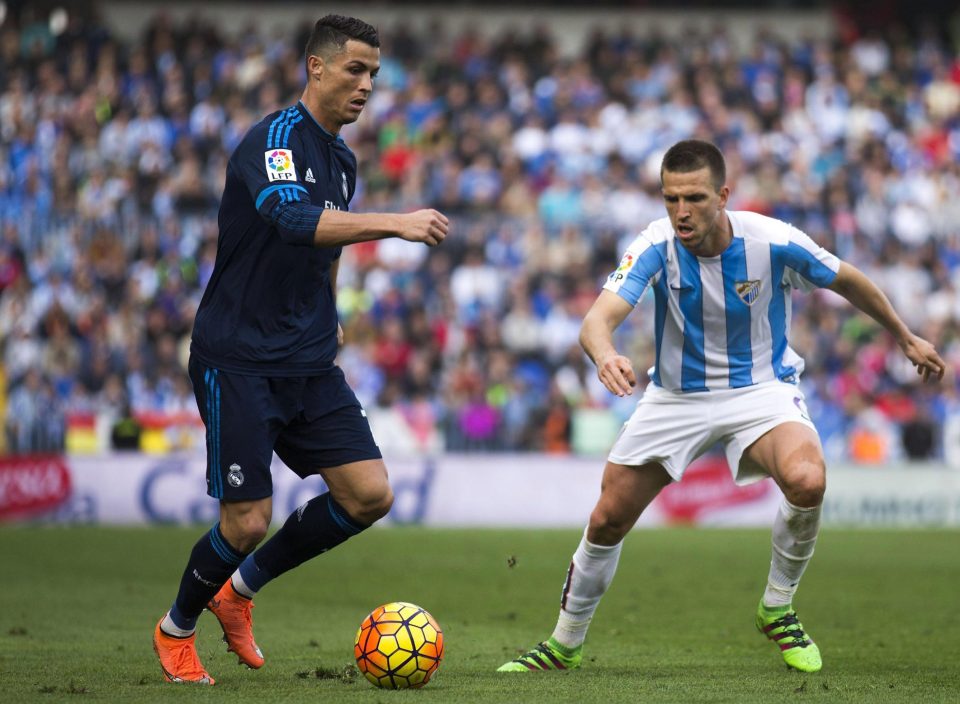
x,y
339,335
924,357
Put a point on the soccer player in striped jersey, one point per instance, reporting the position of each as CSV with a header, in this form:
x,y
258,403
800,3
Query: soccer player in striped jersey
x,y
724,372
263,350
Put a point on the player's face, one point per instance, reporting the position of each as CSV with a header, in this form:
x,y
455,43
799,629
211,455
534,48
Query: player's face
x,y
696,211
344,83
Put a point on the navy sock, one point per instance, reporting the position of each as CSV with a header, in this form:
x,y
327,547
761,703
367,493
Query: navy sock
x,y
317,526
211,563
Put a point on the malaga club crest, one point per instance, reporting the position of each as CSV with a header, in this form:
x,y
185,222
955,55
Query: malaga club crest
x,y
280,165
748,291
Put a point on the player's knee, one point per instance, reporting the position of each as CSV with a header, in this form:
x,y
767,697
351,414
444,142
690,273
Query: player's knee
x,y
245,532
373,507
807,488
606,528
252,534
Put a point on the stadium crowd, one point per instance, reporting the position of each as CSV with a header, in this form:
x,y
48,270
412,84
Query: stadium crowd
x,y
112,159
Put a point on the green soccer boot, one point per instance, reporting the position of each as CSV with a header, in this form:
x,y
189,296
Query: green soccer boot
x,y
781,625
546,656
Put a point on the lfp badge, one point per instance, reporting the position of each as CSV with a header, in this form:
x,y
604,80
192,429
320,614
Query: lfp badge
x,y
280,165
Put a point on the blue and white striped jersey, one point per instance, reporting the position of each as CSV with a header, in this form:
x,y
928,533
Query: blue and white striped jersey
x,y
722,322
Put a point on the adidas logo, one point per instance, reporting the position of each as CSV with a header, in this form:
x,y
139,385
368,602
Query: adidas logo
x,y
309,177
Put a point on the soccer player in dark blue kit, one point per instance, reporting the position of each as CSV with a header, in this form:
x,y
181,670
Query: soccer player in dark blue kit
x,y
264,343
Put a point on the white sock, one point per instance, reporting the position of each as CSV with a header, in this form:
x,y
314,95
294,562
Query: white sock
x,y
794,537
588,578
240,586
171,629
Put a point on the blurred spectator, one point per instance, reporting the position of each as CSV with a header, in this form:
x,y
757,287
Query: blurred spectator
x,y
125,431
113,155
35,420
918,437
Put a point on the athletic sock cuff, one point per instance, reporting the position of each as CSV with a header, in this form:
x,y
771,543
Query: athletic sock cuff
x,y
564,650
343,519
800,509
224,550
241,595
181,621
252,574
776,610
594,550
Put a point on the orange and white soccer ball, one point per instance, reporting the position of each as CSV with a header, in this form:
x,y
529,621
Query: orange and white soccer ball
x,y
398,645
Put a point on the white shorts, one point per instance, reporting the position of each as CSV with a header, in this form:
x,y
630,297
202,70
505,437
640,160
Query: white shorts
x,y
673,428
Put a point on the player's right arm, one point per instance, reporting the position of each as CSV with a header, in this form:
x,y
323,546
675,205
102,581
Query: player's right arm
x,y
641,266
283,201
596,337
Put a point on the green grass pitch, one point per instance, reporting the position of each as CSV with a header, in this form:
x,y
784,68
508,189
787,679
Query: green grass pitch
x,y
77,607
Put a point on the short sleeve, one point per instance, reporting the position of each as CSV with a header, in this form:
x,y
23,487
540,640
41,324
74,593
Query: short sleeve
x,y
641,265
807,265
267,165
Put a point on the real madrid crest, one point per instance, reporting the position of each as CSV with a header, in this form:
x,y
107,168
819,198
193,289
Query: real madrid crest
x,y
234,475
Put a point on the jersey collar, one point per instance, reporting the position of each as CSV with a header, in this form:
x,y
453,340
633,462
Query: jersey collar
x,y
311,121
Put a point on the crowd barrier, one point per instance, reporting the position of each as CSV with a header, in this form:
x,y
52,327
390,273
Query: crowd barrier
x,y
529,490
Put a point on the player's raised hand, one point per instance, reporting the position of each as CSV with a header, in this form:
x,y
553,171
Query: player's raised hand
x,y
428,226
924,357
617,375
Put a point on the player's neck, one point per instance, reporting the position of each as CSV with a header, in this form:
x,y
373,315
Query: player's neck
x,y
311,101
716,243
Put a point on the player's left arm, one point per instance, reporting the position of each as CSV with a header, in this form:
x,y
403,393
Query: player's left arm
x,y
852,284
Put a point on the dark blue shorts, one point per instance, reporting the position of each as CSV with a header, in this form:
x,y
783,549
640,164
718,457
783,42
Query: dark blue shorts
x,y
311,422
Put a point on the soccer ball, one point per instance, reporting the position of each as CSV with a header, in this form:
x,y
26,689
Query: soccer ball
x,y
398,645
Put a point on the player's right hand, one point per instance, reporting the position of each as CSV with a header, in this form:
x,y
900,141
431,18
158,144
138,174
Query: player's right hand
x,y
428,226
616,373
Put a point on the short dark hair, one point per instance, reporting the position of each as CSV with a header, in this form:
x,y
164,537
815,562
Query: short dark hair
x,y
693,155
332,32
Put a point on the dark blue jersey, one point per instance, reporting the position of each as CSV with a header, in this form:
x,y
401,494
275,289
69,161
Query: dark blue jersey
x,y
269,306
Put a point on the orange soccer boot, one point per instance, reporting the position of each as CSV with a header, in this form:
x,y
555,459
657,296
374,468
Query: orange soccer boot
x,y
178,658
233,612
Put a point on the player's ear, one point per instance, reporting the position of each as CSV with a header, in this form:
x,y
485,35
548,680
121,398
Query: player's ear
x,y
315,67
724,195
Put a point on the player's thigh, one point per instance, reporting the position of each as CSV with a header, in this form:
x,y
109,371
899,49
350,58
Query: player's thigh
x,y
625,492
242,415
767,431
791,454
668,429
330,431
332,437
